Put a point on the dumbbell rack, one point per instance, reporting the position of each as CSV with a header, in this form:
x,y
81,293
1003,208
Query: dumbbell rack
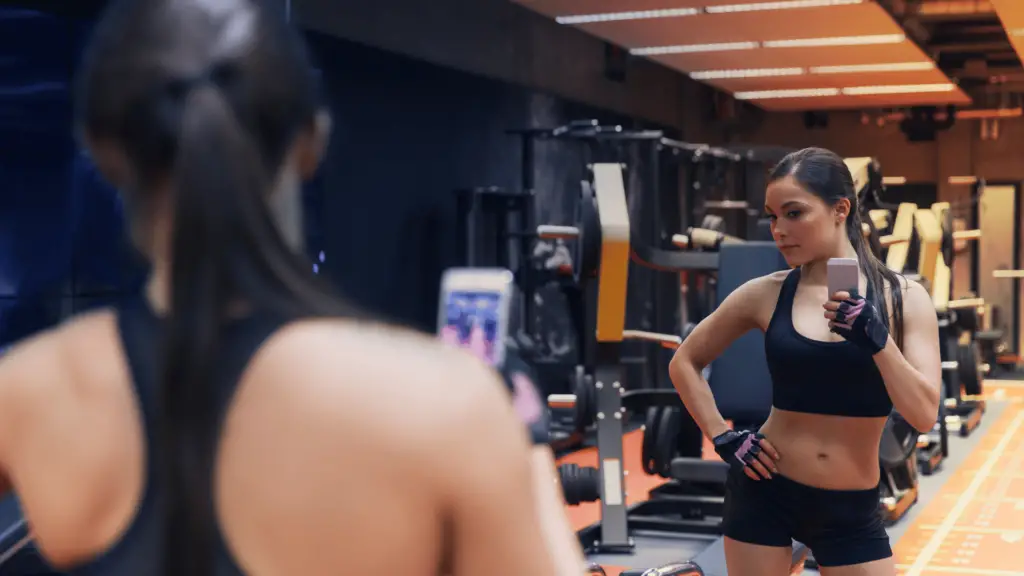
x,y
610,403
963,415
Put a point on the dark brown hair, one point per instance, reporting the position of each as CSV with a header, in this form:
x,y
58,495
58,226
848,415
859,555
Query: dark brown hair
x,y
824,174
210,97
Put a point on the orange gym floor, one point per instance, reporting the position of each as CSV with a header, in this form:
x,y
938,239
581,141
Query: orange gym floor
x,y
968,521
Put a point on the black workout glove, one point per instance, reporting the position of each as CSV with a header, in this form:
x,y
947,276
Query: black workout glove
x,y
738,449
858,321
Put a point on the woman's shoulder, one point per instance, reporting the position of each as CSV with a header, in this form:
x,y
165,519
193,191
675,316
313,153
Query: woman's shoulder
x,y
382,367
765,287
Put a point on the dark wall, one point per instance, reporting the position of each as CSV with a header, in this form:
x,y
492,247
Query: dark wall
x,y
503,40
37,216
407,135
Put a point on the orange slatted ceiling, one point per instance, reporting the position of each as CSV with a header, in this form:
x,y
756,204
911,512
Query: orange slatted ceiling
x,y
1011,13
755,48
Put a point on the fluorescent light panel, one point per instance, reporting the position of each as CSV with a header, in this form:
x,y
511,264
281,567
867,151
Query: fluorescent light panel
x,y
794,43
851,91
753,73
836,41
694,48
619,16
862,68
779,5
794,93
772,72
680,12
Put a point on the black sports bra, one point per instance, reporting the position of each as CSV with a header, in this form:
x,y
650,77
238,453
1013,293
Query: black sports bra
x,y
817,377
140,549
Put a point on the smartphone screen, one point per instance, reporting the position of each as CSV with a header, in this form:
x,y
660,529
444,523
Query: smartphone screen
x,y
474,312
843,275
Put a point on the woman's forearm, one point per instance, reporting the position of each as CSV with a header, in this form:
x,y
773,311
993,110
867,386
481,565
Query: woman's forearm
x,y
913,395
563,545
697,397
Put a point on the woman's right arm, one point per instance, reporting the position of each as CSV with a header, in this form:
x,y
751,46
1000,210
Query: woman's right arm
x,y
505,516
734,317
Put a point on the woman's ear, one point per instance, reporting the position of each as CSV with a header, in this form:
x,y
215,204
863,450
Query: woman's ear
x,y
109,159
312,145
842,209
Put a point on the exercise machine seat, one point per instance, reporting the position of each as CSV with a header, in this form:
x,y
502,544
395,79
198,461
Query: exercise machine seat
x,y
740,379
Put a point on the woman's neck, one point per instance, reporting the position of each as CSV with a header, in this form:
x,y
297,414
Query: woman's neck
x,y
816,271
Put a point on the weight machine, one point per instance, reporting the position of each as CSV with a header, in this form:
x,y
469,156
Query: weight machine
x,y
930,235
604,234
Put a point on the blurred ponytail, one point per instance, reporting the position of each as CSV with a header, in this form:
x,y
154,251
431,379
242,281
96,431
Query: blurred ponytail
x,y
228,256
221,143
215,170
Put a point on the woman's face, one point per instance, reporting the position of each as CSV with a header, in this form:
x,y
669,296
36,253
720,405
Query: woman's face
x,y
803,226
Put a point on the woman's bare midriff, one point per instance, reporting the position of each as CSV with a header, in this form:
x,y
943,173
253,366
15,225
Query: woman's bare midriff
x,y
830,452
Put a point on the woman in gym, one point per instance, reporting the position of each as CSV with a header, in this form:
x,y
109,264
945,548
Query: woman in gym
x,y
235,417
839,363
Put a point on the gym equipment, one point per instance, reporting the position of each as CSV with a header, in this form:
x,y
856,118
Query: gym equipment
x,y
963,371
868,184
897,457
996,212
614,532
495,228
579,484
675,569
995,351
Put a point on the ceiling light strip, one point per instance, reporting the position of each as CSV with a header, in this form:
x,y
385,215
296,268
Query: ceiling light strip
x,y
620,16
836,41
794,93
862,68
778,5
752,73
851,91
794,43
694,48
722,9
898,89
772,72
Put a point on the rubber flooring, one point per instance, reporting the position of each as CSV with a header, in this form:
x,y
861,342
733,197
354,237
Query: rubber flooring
x,y
969,519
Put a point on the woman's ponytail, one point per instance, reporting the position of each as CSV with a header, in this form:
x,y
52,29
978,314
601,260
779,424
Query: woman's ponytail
x,y
879,275
216,169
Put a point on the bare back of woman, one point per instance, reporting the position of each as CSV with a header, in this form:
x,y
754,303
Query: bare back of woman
x,y
332,458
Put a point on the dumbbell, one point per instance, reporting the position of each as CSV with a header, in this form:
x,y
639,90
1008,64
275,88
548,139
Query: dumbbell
x,y
675,569
703,238
579,483
583,401
552,232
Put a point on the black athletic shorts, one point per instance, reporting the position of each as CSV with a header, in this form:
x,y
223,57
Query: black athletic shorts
x,y
841,527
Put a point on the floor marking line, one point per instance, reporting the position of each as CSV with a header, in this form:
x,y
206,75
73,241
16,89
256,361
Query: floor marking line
x,y
975,529
949,522
966,570
995,499
1003,383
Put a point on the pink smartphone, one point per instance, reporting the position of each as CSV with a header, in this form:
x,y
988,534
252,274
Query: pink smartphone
x,y
843,275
